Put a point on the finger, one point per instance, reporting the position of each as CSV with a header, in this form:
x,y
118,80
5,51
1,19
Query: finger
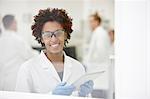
x,y
84,88
87,86
69,87
62,84
88,81
91,82
67,92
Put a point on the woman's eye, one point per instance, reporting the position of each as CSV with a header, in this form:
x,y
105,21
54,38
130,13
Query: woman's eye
x,y
58,33
47,35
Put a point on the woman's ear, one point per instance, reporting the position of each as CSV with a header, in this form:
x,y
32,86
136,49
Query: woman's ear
x,y
65,36
65,39
42,40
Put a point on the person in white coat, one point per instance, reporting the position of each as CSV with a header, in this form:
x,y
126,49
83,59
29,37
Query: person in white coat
x,y
99,46
52,72
13,52
97,58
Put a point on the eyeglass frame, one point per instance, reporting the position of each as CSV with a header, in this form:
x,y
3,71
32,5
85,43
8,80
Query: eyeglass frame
x,y
53,33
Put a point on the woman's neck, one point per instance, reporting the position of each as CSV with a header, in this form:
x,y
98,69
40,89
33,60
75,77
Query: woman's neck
x,y
55,57
57,60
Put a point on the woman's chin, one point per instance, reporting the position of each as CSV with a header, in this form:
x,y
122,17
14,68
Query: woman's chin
x,y
56,51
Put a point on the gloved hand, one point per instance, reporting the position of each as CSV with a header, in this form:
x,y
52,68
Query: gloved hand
x,y
63,89
86,88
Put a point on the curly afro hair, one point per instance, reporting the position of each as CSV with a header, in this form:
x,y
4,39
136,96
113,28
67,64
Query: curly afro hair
x,y
51,14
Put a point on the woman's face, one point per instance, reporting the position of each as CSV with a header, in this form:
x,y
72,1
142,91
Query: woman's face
x,y
53,37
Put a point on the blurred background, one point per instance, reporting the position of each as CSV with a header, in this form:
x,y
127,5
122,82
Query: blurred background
x,y
79,10
78,46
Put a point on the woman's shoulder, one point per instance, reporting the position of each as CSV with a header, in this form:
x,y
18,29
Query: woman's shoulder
x,y
75,62
31,62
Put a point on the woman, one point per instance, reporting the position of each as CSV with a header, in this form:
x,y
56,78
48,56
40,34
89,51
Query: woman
x,y
52,71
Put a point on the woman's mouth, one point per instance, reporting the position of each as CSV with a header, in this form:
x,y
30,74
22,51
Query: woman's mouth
x,y
54,45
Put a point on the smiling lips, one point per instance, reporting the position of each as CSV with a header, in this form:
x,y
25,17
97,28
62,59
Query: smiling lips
x,y
55,45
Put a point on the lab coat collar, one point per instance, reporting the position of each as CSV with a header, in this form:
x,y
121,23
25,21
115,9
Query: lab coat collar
x,y
98,28
67,68
50,68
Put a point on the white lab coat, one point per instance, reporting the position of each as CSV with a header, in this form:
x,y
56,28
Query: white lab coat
x,y
99,46
13,52
97,58
38,75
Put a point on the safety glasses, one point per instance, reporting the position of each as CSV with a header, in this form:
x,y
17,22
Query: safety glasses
x,y
58,33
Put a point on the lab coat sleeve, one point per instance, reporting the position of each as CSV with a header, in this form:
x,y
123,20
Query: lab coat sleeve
x,y
91,49
99,46
24,81
104,44
24,50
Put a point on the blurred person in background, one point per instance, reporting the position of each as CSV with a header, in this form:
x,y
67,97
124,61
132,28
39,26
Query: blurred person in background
x,y
13,52
112,34
98,52
112,39
52,72
0,31
97,58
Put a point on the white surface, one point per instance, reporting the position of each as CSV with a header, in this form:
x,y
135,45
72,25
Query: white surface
x,y
148,48
20,95
87,77
132,71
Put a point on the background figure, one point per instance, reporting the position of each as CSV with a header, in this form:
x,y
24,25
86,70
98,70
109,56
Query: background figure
x,y
112,39
112,34
0,31
111,92
98,52
97,58
13,52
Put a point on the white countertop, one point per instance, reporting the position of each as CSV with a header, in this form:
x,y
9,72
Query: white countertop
x,y
21,95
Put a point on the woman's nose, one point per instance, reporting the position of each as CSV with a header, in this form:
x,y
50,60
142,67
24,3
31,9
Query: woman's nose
x,y
54,38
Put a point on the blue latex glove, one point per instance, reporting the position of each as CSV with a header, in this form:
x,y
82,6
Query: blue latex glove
x,y
86,88
63,89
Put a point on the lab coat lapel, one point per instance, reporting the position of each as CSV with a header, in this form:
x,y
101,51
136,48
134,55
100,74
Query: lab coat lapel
x,y
67,69
48,66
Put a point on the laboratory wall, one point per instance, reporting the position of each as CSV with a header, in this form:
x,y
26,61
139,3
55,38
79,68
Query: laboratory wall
x,y
132,49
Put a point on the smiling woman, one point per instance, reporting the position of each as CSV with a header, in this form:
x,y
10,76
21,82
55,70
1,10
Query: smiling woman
x,y
52,15
55,42
52,71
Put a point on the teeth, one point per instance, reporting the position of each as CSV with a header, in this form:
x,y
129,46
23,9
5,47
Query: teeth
x,y
54,45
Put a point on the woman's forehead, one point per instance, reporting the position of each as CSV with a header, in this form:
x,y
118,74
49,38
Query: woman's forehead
x,y
52,26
